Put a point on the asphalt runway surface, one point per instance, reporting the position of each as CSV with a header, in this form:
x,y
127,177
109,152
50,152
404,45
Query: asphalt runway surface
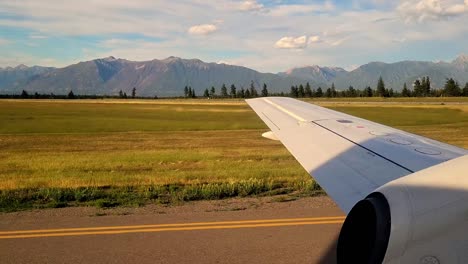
x,y
229,231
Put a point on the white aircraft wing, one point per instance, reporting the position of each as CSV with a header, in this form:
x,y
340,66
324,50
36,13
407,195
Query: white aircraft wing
x,y
349,157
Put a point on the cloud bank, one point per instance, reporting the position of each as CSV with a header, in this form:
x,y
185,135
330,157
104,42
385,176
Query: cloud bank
x,y
424,10
265,35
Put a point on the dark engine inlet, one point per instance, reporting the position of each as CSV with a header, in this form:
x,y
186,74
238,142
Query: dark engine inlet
x,y
366,231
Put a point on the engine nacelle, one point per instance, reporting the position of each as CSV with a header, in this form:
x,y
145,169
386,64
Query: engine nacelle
x,y
420,218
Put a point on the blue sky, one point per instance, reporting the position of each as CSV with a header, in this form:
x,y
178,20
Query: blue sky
x,y
269,36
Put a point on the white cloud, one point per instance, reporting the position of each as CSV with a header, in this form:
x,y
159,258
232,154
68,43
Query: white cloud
x,y
288,10
37,36
314,39
203,29
292,43
250,5
338,42
422,10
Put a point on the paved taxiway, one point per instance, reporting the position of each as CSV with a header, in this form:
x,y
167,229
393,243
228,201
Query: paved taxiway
x,y
245,231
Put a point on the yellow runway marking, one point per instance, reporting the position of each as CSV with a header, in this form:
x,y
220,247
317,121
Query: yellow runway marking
x,y
172,225
169,227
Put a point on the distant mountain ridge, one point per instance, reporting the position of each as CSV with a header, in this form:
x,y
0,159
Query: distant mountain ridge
x,y
316,73
169,76
17,76
393,74
166,77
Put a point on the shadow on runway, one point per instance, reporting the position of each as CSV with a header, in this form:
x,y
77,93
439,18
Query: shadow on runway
x,y
330,255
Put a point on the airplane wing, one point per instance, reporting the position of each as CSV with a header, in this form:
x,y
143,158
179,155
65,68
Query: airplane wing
x,y
349,157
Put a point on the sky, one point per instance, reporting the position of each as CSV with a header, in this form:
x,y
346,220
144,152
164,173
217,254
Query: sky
x,y
266,35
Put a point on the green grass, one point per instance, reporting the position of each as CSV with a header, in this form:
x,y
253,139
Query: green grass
x,y
114,153
26,117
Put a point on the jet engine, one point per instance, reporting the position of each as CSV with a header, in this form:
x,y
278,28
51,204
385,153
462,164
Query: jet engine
x,y
420,218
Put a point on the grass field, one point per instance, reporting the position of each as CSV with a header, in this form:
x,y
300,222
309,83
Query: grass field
x,y
107,153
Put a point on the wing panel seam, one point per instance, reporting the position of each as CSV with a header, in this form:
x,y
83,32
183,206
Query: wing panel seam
x,y
298,118
271,121
371,151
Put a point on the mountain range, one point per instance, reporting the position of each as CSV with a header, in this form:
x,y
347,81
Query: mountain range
x,y
168,77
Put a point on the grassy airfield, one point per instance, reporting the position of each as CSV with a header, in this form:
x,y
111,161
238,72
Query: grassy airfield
x,y
124,152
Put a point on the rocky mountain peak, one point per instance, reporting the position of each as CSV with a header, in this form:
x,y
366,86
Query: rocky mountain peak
x,y
110,58
172,58
21,67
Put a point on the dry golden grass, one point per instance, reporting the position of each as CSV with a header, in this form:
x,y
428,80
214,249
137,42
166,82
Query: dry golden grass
x,y
159,158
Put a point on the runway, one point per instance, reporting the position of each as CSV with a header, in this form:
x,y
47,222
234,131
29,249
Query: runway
x,y
302,231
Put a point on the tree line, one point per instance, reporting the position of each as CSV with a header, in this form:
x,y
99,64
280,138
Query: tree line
x,y
420,88
232,92
71,95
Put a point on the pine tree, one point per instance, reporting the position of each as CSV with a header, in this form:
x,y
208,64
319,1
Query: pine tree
x,y
212,91
427,88
241,93
247,93
351,92
253,91
319,92
264,90
224,92
193,93
381,87
294,92
333,90
308,91
368,92
120,94
423,86
24,94
133,92
125,95
418,89
71,95
206,93
405,92
465,90
186,91
301,91
233,91
328,93
452,88
189,92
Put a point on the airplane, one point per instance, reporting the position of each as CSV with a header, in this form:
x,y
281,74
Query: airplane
x,y
405,196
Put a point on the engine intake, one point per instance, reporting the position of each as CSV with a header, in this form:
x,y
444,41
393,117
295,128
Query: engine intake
x,y
365,233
